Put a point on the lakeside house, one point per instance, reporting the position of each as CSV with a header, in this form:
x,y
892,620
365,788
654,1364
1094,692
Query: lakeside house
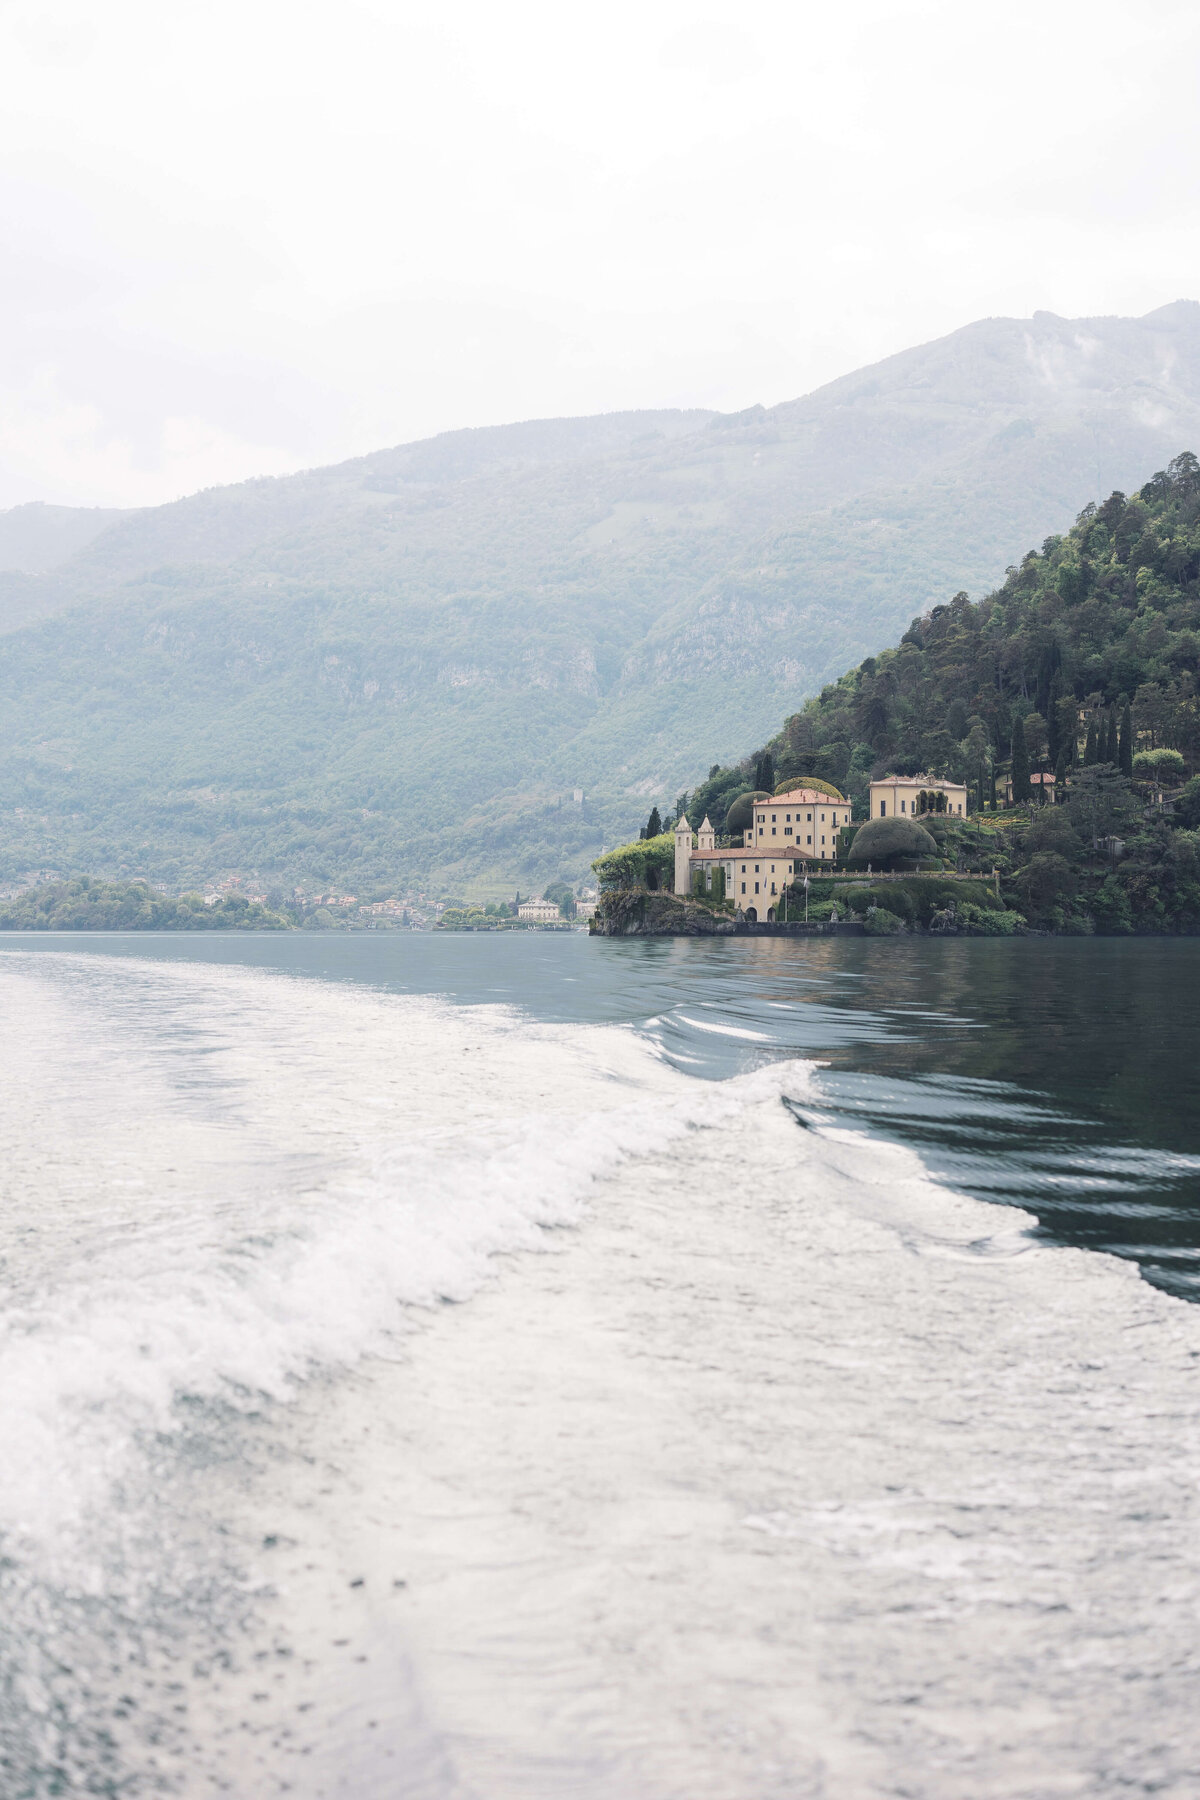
x,y
911,796
539,912
787,831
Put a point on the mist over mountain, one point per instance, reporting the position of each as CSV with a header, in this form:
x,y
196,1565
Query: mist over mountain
x,y
399,668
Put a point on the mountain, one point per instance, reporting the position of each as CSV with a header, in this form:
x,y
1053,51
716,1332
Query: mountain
x,y
395,671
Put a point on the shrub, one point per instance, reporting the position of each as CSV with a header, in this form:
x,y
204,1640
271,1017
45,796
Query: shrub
x,y
650,862
740,816
880,922
885,842
817,783
1111,909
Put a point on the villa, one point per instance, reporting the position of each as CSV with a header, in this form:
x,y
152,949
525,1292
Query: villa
x,y
787,831
539,912
908,796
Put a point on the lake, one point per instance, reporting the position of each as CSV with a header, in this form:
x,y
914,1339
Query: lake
x,y
533,1365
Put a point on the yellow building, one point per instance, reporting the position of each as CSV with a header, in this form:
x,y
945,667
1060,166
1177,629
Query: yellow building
x,y
788,831
899,796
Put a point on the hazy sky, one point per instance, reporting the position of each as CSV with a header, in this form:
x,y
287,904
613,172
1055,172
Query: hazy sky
x,y
246,238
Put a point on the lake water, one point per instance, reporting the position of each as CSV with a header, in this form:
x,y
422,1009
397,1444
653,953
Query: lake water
x,y
466,1368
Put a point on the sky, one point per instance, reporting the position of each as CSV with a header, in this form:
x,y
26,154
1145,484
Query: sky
x,y
241,239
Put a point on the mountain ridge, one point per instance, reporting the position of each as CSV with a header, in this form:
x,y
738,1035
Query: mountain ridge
x,y
440,640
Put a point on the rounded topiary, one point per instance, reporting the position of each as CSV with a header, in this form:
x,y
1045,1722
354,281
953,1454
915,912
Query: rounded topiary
x,y
740,816
885,842
817,783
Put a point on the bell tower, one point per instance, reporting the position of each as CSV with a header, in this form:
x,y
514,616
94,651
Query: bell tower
x,y
683,855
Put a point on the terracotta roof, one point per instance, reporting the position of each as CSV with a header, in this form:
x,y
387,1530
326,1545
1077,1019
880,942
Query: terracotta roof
x,y
800,797
752,850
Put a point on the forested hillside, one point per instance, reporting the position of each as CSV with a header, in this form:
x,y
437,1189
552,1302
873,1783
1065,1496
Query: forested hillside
x,y
400,669
1085,666
1098,624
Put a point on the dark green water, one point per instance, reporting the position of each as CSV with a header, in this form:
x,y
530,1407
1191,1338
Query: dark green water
x,y
1059,1075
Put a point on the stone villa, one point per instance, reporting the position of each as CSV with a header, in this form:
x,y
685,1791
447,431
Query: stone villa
x,y
898,796
788,831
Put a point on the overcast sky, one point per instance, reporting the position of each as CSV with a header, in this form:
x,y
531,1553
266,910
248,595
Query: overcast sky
x,y
244,238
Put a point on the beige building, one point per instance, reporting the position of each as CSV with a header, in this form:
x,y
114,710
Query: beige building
x,y
899,796
540,912
788,831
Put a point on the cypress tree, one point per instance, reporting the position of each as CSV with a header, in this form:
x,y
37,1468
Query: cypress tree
x,y
1053,723
653,824
1112,751
1020,764
1061,772
1125,748
1089,749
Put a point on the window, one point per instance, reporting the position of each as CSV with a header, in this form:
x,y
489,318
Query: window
x,y
822,837
904,803
808,839
774,833
822,818
772,887
787,818
882,808
743,872
808,816
756,872
756,887
743,887
787,831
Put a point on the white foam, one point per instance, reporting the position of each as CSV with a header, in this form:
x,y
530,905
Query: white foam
x,y
227,1178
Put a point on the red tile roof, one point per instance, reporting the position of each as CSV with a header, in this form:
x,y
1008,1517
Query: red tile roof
x,y
800,797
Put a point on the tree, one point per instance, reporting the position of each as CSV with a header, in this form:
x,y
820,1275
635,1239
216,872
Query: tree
x,y
976,752
653,825
1112,749
1187,805
1047,878
1100,803
1066,715
1036,737
1089,748
1020,765
1160,766
1125,745
764,772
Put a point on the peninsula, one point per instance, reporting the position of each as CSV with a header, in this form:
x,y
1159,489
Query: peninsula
x,y
1027,761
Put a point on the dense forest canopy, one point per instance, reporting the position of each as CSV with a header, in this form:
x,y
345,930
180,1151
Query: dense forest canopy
x,y
1084,666
1088,654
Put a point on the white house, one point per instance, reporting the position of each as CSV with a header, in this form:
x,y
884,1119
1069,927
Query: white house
x,y
787,832
899,796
